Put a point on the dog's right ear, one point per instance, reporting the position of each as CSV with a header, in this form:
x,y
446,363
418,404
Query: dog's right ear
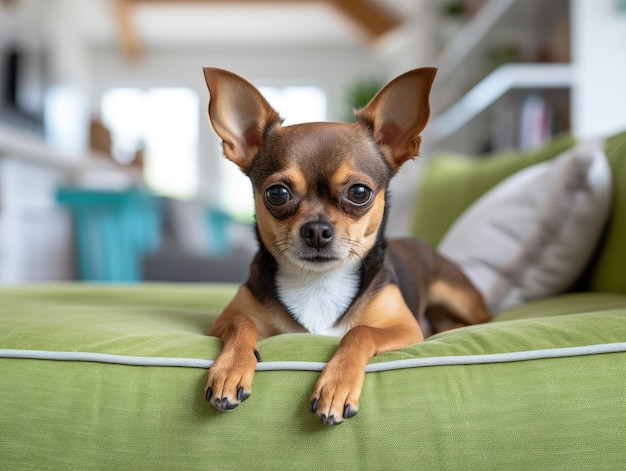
x,y
239,114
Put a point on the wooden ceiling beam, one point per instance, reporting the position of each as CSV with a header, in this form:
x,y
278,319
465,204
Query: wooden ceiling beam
x,y
370,16
129,41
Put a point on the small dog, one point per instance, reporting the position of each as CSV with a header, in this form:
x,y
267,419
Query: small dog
x,y
324,265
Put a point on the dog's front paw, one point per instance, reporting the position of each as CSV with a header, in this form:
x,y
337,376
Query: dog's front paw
x,y
229,381
337,393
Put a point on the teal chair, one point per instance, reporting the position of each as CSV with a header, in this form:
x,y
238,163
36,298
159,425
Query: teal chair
x,y
113,230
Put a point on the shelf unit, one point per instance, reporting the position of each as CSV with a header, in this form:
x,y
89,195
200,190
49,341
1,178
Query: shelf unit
x,y
471,35
470,88
493,87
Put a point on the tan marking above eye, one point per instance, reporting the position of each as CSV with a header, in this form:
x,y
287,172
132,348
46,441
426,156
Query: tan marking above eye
x,y
347,176
293,177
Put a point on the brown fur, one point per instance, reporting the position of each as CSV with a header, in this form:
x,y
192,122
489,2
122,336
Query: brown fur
x,y
406,290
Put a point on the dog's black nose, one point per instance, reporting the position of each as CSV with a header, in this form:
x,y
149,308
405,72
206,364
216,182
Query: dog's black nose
x,y
317,234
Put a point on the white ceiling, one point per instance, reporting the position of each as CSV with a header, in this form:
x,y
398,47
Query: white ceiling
x,y
241,23
221,23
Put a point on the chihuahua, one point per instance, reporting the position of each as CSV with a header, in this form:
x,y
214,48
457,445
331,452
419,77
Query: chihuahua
x,y
323,264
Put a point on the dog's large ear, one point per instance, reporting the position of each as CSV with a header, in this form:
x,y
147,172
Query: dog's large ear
x,y
239,114
398,114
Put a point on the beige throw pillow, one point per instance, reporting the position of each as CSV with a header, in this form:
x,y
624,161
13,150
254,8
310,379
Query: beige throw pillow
x,y
533,234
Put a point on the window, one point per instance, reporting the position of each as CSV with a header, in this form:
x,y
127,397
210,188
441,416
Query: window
x,y
296,104
162,121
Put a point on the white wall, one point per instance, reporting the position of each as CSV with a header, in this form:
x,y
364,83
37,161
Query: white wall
x,y
35,234
599,57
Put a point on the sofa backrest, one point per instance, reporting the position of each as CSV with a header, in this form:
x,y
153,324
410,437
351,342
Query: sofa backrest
x,y
452,183
607,270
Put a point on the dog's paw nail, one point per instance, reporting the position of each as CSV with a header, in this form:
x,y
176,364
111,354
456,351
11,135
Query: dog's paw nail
x,y
222,403
209,393
349,412
330,420
314,403
241,394
258,356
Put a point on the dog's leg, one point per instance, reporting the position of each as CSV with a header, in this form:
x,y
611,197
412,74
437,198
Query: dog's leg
x,y
229,379
385,324
453,301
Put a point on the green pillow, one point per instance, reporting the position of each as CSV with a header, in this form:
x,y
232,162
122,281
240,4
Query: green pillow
x,y
453,182
607,272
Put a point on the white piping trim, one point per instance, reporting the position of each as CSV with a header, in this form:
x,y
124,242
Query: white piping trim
x,y
619,347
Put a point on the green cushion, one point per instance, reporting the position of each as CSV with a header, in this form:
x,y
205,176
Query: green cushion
x,y
608,273
453,182
565,412
565,304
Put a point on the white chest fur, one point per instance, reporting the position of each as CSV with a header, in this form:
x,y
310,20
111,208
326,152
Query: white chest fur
x,y
317,300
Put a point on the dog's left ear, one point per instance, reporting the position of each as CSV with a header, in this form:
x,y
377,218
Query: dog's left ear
x,y
398,114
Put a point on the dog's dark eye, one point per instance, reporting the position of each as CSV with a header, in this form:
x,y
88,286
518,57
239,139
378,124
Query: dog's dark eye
x,y
360,194
277,195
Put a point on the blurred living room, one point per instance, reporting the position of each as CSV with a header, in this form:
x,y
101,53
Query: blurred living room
x,y
111,172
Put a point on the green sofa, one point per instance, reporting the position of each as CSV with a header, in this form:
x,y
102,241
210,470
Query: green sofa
x,y
111,377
